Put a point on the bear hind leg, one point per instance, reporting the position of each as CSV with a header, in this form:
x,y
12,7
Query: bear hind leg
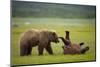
x,y
29,50
84,50
82,43
22,51
40,50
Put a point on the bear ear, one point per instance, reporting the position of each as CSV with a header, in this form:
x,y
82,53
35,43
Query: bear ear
x,y
53,33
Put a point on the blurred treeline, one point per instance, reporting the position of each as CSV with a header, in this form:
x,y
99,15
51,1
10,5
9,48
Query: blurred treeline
x,y
52,10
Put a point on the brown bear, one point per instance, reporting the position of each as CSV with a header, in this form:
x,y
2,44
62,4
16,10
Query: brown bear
x,y
75,49
71,48
40,38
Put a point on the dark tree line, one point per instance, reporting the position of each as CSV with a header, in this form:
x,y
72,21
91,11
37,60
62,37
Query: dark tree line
x,y
36,9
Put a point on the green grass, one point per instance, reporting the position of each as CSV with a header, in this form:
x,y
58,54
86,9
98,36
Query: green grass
x,y
81,30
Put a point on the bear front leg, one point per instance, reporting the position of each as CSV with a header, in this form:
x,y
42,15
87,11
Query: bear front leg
x,y
40,49
49,49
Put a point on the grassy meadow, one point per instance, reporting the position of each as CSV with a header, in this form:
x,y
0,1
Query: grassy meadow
x,y
81,30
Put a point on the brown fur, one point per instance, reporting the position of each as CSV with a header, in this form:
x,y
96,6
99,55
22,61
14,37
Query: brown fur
x,y
72,49
40,38
75,49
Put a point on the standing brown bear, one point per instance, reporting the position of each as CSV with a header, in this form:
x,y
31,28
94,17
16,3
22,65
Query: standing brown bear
x,y
40,38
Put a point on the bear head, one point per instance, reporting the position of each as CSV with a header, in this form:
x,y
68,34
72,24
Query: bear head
x,y
53,37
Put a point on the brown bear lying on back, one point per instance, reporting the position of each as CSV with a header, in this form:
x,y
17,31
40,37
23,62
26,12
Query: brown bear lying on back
x,y
75,49
71,48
